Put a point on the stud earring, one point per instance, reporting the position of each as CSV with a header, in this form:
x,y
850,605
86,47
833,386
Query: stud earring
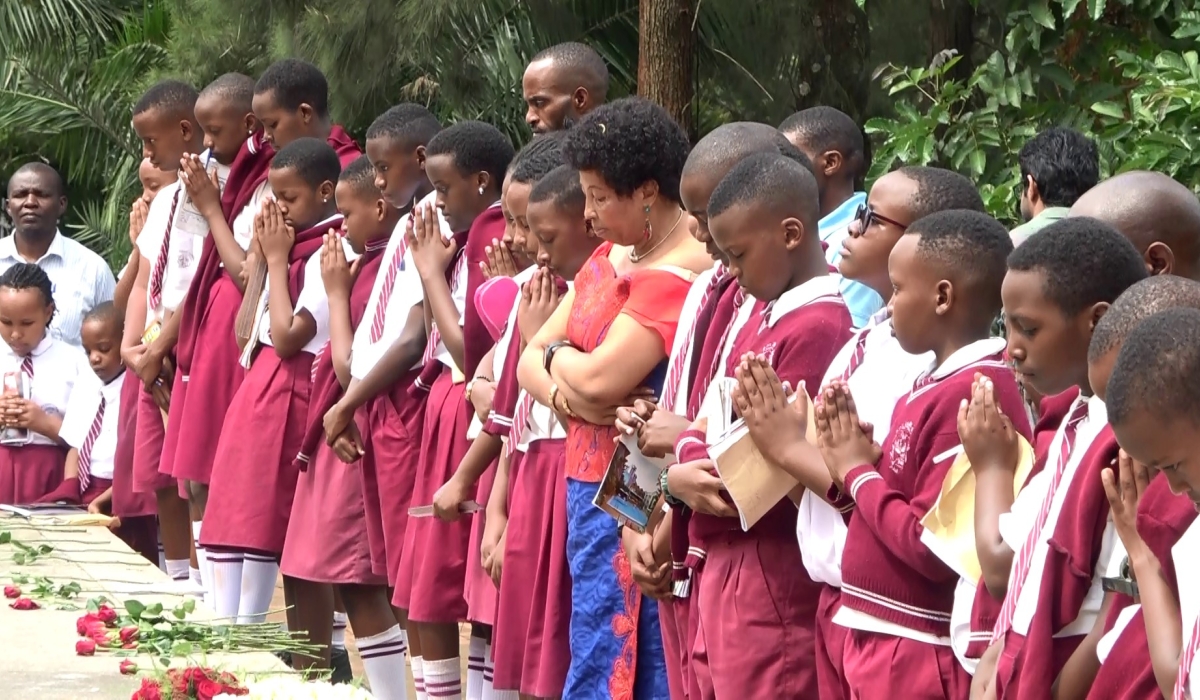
x,y
481,191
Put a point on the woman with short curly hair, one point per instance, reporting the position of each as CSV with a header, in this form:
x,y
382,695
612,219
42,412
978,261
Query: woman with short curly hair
x,y
605,345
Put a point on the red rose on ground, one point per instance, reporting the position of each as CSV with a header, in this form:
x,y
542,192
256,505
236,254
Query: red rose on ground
x,y
99,635
82,624
129,634
106,615
12,592
150,690
23,604
207,689
85,647
131,645
128,668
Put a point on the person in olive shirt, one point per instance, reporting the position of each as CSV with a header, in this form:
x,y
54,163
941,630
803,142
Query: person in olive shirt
x,y
1057,167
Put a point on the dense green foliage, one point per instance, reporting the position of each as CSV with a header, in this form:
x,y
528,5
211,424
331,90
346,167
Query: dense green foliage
x,y
1124,70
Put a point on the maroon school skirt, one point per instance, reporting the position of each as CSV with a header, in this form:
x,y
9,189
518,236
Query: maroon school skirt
x,y
831,646
391,427
327,533
531,639
148,447
29,472
254,474
479,589
1009,665
166,465
125,502
433,566
883,667
210,386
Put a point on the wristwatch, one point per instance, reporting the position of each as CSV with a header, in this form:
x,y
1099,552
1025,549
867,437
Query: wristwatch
x,y
471,386
666,493
548,355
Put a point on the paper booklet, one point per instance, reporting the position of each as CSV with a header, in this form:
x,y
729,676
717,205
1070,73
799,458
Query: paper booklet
x,y
754,483
630,489
466,508
256,327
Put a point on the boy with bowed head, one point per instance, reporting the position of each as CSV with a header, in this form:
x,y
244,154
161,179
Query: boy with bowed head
x,y
291,101
1139,652
897,590
763,217
1153,396
1059,285
561,84
623,312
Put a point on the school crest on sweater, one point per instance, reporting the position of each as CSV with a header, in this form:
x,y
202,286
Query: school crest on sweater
x,y
899,452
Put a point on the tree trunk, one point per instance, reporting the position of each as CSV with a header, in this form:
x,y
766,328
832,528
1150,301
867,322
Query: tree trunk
x,y
665,57
950,27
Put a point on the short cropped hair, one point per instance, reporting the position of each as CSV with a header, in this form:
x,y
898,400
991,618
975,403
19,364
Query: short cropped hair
x,y
407,123
939,189
630,142
970,243
1083,262
1063,162
538,157
174,97
360,176
293,82
1138,303
1158,369
768,179
829,129
582,62
106,312
475,147
234,88
561,186
314,160
41,169
727,144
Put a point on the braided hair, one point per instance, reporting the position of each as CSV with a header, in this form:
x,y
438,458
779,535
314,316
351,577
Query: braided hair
x,y
29,276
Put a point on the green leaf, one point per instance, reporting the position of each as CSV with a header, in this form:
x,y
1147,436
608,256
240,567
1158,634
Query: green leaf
x,y
1109,109
1096,8
1069,7
135,608
189,605
5,537
1040,11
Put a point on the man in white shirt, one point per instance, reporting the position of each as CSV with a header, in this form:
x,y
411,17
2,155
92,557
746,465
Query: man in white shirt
x,y
82,279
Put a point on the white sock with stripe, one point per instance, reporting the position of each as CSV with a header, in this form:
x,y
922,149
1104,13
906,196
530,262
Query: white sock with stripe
x,y
205,577
443,679
418,671
226,583
339,630
476,662
259,575
383,661
489,675
177,569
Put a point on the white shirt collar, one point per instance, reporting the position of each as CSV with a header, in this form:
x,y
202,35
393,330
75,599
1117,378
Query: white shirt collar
x,y
8,248
1096,410
967,355
792,299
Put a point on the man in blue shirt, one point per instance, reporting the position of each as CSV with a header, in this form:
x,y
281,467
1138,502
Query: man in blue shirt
x,y
835,145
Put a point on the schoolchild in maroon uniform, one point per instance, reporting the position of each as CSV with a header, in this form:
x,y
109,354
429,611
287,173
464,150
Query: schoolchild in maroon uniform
x,y
254,477
466,164
763,216
1152,406
165,121
1126,671
534,610
33,467
1060,282
326,547
877,370
897,593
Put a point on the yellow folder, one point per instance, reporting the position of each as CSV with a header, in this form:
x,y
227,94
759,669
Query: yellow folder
x,y
950,523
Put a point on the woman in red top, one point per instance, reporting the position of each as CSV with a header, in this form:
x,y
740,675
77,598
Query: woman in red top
x,y
621,315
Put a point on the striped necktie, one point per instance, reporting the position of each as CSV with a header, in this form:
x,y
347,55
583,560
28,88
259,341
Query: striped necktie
x,y
159,272
520,418
394,267
675,377
1185,663
85,451
1025,555
27,366
704,381
856,357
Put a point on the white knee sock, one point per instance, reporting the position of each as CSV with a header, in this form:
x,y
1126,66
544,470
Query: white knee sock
x,y
418,671
162,555
443,679
177,569
339,630
383,660
489,674
259,575
205,578
476,661
226,584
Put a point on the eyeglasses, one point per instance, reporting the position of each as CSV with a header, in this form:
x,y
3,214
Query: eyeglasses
x,y
866,216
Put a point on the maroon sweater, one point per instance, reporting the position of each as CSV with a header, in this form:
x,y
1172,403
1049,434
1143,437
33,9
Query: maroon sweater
x,y
986,608
1127,673
887,572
